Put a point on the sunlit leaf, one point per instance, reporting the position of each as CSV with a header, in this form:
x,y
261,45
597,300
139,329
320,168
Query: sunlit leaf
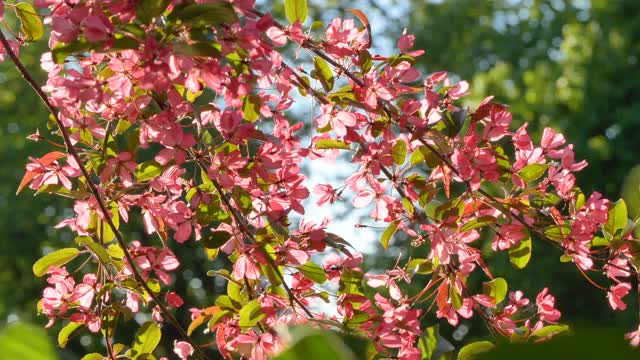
x,y
332,144
31,24
496,288
54,258
399,152
296,10
250,314
323,73
313,272
618,216
147,171
22,341
66,332
146,340
95,248
388,234
520,255
468,351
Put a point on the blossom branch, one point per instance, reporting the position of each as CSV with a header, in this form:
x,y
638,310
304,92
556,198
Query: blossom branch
x,y
93,188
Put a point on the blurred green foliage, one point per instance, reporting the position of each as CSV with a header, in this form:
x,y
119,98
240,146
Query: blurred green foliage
x,y
26,342
26,222
570,65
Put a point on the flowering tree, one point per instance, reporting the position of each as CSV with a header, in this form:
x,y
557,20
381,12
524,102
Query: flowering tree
x,y
178,112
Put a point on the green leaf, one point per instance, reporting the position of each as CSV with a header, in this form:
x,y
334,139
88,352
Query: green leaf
x,y
456,297
600,241
23,341
250,314
388,234
243,199
557,232
520,255
303,85
58,189
496,288
154,285
104,230
86,136
217,317
31,24
146,10
454,121
468,351
251,107
332,144
93,356
234,292
477,222
365,61
296,10
351,282
146,340
205,15
550,330
124,43
317,345
54,258
399,152
323,73
198,49
344,95
617,221
225,302
147,171
631,193
532,172
95,248
407,204
428,342
65,332
313,272
424,154
61,51
421,266
216,239
115,251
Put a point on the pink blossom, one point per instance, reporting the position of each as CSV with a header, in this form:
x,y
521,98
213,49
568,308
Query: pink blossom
x,y
546,309
183,349
615,295
174,299
633,337
245,267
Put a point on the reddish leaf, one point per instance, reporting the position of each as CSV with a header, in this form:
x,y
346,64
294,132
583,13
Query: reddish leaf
x,y
46,160
363,18
204,316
